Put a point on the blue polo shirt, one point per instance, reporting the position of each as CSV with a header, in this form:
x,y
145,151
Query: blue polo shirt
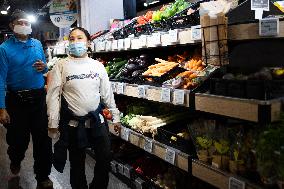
x,y
16,70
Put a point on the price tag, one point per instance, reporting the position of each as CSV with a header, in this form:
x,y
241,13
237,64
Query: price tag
x,y
113,166
120,168
127,170
156,38
141,92
102,45
170,156
127,43
125,134
120,44
196,33
260,4
114,45
148,146
113,86
139,183
108,45
166,95
179,96
143,41
120,88
236,184
269,27
173,36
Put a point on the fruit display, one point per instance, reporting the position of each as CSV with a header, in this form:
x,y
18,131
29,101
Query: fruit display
x,y
194,65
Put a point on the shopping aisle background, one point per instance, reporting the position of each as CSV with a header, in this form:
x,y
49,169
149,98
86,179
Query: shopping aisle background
x,y
61,181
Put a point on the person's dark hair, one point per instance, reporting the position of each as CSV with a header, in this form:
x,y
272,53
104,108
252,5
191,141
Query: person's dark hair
x,y
17,14
83,30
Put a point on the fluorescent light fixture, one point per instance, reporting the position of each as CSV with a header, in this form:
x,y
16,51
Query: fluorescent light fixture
x,y
145,4
4,12
154,2
32,18
8,8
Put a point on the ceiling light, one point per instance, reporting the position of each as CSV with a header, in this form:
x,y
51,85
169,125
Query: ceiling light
x,y
145,4
4,12
8,8
32,18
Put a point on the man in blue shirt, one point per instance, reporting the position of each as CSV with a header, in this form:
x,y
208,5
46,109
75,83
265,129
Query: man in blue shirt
x,y
22,100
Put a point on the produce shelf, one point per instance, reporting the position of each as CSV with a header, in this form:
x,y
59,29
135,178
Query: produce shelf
x,y
245,109
218,178
158,149
151,93
236,32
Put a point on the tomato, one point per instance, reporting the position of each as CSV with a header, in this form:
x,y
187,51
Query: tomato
x,y
106,112
109,116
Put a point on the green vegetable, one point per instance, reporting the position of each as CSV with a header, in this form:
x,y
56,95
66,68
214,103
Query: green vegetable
x,y
222,147
204,143
107,69
156,16
118,65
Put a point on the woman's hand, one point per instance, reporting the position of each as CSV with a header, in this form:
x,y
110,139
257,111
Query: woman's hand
x,y
53,133
39,66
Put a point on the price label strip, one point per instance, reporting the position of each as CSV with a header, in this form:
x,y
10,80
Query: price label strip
x,y
143,41
179,97
196,33
141,91
269,27
125,133
109,46
127,43
166,95
120,88
113,87
236,184
148,146
114,45
139,183
170,156
156,38
173,36
120,44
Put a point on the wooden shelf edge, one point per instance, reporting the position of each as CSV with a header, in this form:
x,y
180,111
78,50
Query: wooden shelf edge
x,y
244,109
236,32
159,149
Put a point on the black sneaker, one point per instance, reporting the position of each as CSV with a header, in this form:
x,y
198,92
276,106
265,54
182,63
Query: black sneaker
x,y
14,183
47,184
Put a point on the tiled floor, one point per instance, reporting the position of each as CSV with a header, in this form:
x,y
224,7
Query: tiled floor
x,y
61,181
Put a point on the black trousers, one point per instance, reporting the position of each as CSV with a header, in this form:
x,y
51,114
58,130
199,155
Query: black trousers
x,y
29,118
77,156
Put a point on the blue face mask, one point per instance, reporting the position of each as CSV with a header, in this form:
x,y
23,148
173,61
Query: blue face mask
x,y
78,49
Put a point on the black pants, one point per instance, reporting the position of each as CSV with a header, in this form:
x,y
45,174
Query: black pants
x,y
29,118
77,156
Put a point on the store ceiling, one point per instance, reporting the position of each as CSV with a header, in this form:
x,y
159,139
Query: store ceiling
x,y
30,6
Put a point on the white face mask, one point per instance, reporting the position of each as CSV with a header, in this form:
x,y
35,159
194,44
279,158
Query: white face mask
x,y
22,30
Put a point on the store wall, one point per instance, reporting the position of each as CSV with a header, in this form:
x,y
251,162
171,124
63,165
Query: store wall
x,y
96,14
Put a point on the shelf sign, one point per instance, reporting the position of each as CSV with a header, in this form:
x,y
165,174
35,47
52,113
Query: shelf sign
x,y
63,13
166,95
236,184
269,27
179,97
148,146
170,156
196,33
127,43
260,4
113,87
173,36
120,44
141,91
120,88
139,183
125,133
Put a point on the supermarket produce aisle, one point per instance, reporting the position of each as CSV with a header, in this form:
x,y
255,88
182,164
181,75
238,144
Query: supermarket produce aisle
x,y
61,181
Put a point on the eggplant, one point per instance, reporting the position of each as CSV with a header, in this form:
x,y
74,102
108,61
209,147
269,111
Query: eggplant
x,y
131,61
137,60
132,67
144,57
125,72
137,73
143,64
